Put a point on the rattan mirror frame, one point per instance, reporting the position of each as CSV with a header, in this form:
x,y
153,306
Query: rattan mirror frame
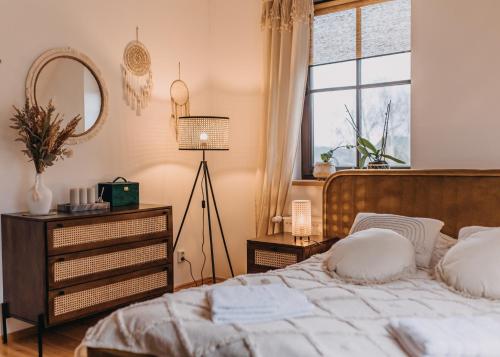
x,y
68,52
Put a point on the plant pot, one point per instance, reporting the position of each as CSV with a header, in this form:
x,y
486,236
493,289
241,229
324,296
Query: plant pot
x,y
378,165
323,169
39,197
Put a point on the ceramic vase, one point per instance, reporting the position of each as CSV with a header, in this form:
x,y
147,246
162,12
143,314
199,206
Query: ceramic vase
x,y
323,169
39,197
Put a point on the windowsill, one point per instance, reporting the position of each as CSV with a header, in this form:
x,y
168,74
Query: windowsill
x,y
308,183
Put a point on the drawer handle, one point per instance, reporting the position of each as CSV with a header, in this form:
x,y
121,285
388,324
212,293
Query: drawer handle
x,y
60,293
59,225
60,260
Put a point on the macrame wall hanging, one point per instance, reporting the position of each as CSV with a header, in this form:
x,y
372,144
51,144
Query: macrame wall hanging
x,y
137,77
179,97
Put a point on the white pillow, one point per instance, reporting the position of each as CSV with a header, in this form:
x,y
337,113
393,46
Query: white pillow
x,y
472,266
422,232
466,232
443,244
371,256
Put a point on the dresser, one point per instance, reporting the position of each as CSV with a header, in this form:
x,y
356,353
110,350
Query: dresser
x,y
280,250
64,267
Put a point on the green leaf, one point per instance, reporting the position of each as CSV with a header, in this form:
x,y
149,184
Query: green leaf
x,y
362,150
366,143
362,161
393,159
325,157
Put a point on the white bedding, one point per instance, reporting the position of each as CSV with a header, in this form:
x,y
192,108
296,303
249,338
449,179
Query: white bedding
x,y
348,320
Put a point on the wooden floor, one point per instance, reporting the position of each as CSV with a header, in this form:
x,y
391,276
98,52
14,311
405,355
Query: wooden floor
x,y
59,341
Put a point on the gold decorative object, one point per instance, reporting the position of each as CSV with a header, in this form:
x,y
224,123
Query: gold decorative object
x,y
137,77
179,97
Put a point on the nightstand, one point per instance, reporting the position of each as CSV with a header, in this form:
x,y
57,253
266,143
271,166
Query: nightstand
x,y
280,250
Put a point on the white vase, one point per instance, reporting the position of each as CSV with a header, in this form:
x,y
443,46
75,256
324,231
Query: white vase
x,y
323,169
39,197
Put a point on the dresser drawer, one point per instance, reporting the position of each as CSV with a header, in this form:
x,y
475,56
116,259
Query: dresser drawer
x,y
75,268
82,234
84,299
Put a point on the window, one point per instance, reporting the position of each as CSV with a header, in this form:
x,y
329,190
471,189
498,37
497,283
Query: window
x,y
361,60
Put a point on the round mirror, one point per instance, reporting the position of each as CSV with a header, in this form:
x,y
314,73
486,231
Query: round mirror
x,y
72,82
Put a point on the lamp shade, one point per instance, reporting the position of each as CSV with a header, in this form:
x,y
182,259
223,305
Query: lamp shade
x,y
301,218
203,133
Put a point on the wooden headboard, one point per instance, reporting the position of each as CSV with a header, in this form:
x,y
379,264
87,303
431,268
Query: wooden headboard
x,y
457,197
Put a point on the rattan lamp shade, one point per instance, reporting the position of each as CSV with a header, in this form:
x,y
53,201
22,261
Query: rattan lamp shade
x,y
301,218
203,133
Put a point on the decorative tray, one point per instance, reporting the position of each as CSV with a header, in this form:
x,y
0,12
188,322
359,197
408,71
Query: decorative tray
x,y
68,208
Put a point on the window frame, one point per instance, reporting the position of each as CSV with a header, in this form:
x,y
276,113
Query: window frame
x,y
307,128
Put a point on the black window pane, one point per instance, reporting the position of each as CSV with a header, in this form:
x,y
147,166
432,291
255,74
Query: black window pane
x,y
330,126
386,68
373,107
341,74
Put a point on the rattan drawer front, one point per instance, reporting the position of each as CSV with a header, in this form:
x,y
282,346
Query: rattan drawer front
x,y
75,268
97,298
274,259
98,232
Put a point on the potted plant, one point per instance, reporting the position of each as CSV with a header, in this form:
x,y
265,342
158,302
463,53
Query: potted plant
x,y
376,156
44,139
326,166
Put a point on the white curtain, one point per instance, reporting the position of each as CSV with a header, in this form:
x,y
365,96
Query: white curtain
x,y
288,29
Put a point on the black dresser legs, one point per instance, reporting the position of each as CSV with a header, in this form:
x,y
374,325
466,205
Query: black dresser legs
x,y
40,327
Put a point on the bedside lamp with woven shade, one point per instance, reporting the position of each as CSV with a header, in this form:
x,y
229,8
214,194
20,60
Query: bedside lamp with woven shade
x,y
205,133
301,218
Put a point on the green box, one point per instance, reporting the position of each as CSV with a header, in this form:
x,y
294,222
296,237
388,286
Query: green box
x,y
120,193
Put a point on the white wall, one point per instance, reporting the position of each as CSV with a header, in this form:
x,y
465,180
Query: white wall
x,y
455,84
219,46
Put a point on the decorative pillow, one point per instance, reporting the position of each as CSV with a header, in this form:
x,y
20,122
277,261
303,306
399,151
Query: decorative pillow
x,y
371,256
472,266
466,232
422,232
443,244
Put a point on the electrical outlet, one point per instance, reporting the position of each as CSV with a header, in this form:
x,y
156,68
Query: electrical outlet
x,y
180,256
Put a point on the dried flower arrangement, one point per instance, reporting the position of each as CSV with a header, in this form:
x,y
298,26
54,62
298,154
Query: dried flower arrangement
x,y
41,132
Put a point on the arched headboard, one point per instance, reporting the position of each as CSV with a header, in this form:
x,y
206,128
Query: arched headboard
x,y
457,197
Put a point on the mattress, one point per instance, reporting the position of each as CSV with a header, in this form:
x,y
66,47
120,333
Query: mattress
x,y
348,320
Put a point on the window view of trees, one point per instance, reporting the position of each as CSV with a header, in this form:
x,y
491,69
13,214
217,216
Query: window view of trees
x,y
363,77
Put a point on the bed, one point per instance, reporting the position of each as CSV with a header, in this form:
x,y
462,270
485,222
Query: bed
x,y
347,320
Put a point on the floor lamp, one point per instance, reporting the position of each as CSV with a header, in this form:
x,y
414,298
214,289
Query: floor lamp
x,y
204,133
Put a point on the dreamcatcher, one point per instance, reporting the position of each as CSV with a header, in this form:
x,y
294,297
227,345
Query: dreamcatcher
x,y
137,77
179,97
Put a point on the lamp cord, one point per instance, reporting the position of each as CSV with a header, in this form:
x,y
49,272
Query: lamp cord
x,y
191,271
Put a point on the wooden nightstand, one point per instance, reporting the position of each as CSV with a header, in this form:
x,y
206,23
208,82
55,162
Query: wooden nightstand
x,y
280,250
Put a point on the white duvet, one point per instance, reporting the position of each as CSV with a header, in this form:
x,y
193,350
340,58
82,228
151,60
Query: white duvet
x,y
347,320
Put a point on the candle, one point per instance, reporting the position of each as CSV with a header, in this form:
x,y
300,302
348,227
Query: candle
x,y
91,195
83,196
74,199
